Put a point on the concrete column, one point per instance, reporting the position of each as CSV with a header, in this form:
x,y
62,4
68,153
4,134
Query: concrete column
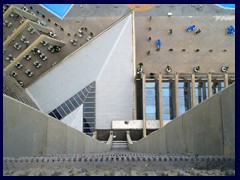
x,y
209,85
144,105
160,109
193,91
225,80
134,65
176,95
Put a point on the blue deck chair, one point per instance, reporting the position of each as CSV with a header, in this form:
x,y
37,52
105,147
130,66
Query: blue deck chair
x,y
231,30
190,28
159,44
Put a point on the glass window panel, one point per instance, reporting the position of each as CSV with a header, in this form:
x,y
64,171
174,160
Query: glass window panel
x,y
90,100
51,114
77,98
60,110
89,119
89,110
181,110
89,105
165,84
57,114
165,92
181,84
150,100
222,85
92,90
181,92
181,101
88,115
166,116
88,88
85,92
150,116
66,109
88,125
165,101
73,101
82,96
91,95
92,84
150,109
150,84
69,105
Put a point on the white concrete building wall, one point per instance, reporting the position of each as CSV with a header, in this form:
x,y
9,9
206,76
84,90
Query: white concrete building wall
x,y
76,71
114,85
75,119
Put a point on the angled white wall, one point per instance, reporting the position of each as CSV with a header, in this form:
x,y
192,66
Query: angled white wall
x,y
108,60
75,119
75,72
114,85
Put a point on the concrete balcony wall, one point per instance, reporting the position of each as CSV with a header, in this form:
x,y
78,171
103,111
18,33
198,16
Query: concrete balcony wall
x,y
207,129
29,132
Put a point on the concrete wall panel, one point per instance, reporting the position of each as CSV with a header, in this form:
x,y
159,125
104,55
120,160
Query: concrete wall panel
x,y
75,141
153,143
56,137
202,128
24,129
228,118
29,132
175,141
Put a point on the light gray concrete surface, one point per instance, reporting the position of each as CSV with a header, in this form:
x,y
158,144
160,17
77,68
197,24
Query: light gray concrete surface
x,y
175,141
73,141
202,128
29,132
156,144
56,137
228,117
24,129
206,129
159,144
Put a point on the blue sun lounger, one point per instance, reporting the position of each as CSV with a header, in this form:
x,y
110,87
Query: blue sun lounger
x,y
190,28
231,30
159,44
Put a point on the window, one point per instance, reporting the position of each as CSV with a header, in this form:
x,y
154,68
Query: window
x,y
61,111
65,108
69,105
201,91
56,113
217,86
74,102
88,101
184,96
150,100
167,101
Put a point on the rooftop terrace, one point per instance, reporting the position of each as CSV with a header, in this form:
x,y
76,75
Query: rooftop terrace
x,y
211,49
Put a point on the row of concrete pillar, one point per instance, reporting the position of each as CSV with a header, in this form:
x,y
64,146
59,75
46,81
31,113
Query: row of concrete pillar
x,y
160,108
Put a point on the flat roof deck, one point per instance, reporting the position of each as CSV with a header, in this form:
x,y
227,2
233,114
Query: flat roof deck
x,y
211,19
